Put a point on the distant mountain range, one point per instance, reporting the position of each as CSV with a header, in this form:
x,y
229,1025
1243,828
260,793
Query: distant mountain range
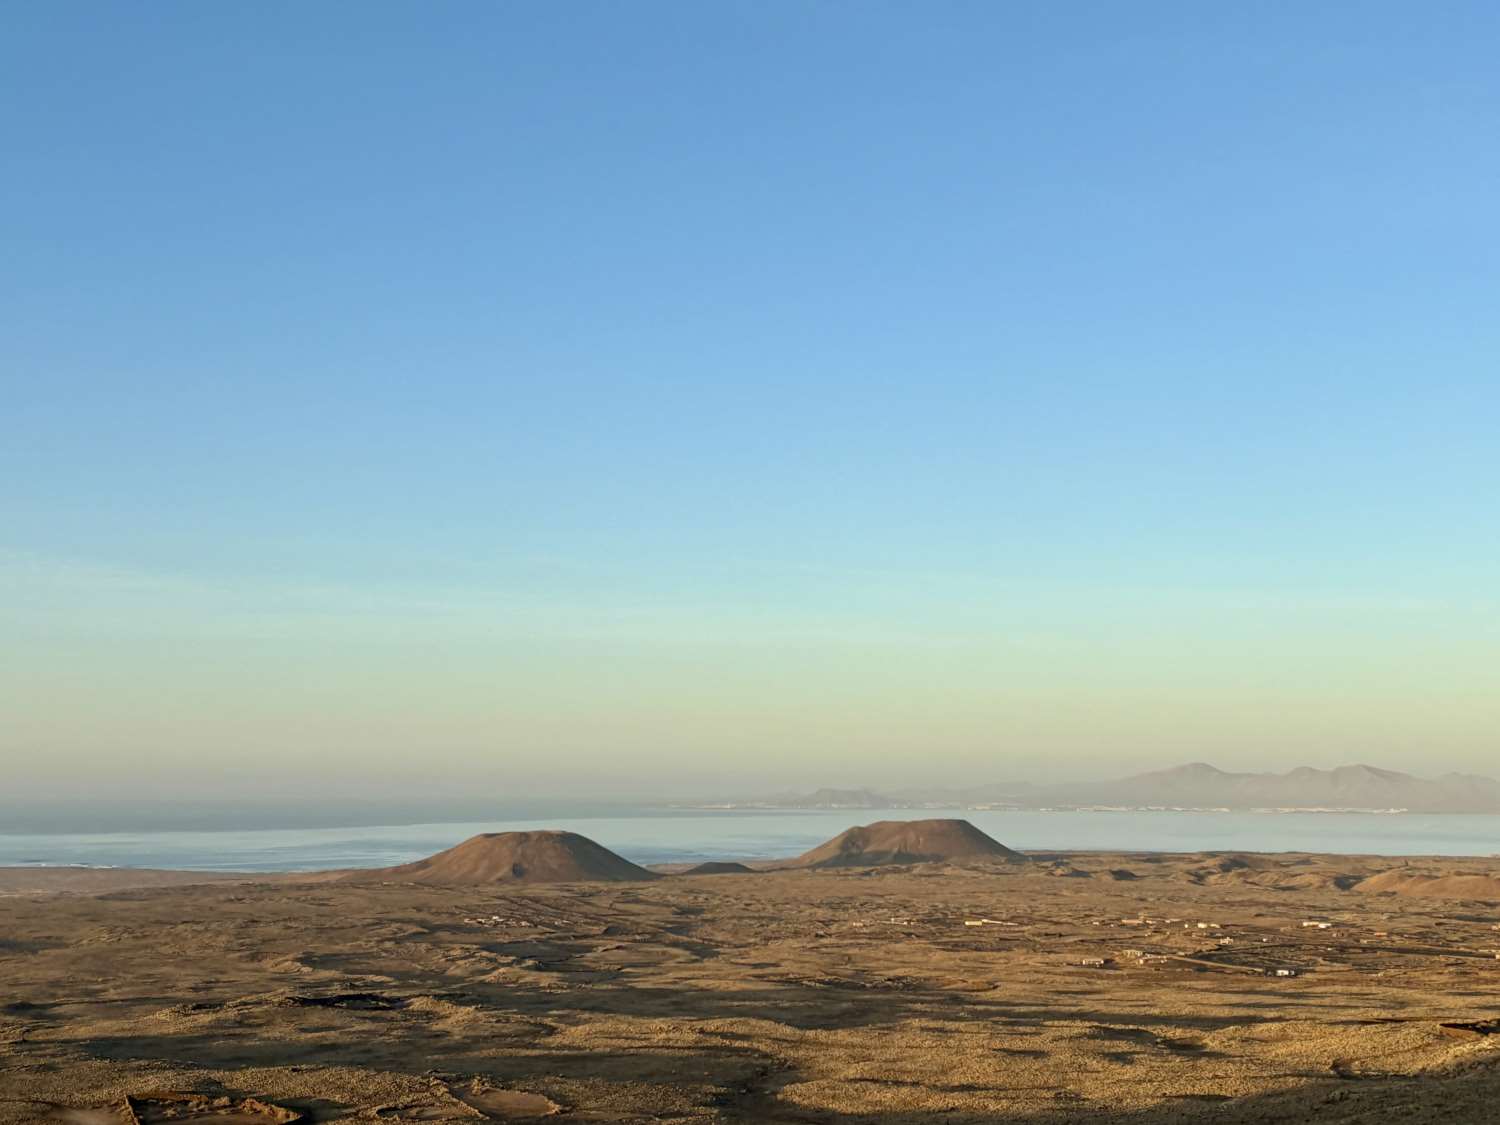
x,y
1194,786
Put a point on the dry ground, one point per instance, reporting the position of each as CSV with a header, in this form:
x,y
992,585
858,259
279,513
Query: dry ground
x,y
832,997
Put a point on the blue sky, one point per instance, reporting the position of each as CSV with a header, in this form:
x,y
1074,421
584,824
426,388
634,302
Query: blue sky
x,y
670,392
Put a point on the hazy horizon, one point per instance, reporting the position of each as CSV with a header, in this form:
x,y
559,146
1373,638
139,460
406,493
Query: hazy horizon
x,y
293,800
549,401
220,807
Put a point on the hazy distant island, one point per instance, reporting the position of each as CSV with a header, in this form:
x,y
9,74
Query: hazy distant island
x,y
1196,786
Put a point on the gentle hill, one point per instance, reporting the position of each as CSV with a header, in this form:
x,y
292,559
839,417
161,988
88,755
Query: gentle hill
x,y
719,867
516,857
908,841
1199,785
1479,888
1195,785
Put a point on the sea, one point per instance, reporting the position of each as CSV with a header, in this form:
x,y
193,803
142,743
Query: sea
x,y
650,836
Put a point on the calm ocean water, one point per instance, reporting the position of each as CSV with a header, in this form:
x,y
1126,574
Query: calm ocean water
x,y
667,836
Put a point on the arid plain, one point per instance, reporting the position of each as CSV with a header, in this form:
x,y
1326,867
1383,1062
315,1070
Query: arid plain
x,y
988,988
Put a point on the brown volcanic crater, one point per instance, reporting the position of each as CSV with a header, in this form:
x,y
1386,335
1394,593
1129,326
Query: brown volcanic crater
x,y
908,841
516,857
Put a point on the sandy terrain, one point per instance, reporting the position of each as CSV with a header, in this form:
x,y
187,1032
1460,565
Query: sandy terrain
x,y
841,995
93,880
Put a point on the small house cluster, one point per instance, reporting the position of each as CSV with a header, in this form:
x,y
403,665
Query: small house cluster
x,y
497,920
